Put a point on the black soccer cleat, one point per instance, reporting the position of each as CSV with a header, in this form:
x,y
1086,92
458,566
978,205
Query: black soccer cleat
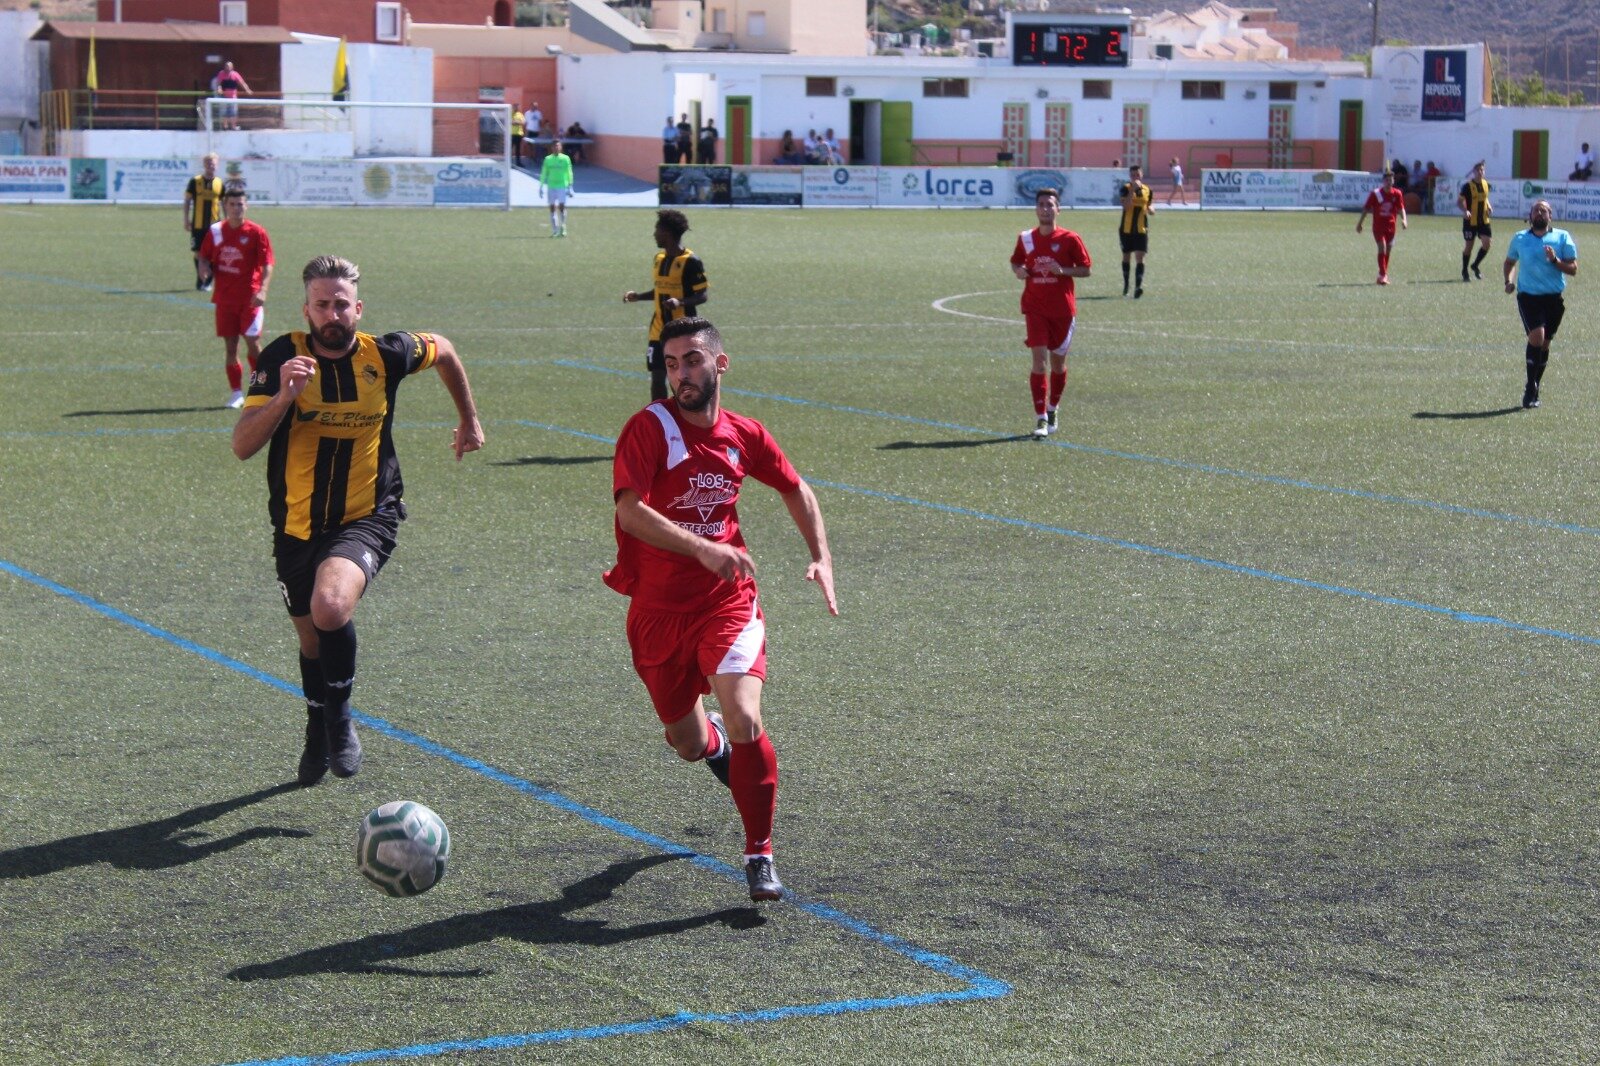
x,y
718,764
344,748
1138,292
1477,274
314,757
1530,396
762,877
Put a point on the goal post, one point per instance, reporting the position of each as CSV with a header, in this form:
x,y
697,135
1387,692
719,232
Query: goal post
x,y
320,151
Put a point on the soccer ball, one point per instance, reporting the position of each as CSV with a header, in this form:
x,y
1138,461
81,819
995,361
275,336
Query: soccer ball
x,y
402,848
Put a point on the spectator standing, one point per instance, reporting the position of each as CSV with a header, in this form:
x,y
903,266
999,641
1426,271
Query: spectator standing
x,y
202,207
1177,183
708,141
680,287
1431,178
695,624
238,255
1402,176
533,121
518,126
669,142
685,139
230,83
323,406
1539,260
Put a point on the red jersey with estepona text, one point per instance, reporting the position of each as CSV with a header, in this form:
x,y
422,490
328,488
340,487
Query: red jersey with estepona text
x,y
1385,205
1044,293
691,476
237,257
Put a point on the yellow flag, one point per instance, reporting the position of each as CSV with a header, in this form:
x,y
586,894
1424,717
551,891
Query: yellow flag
x,y
341,74
94,75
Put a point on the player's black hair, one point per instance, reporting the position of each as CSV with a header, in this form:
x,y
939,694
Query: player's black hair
x,y
676,222
1040,194
693,327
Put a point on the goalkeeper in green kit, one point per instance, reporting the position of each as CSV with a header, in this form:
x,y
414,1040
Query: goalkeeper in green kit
x,y
555,174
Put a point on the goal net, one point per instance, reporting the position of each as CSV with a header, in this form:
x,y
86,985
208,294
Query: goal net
x,y
357,152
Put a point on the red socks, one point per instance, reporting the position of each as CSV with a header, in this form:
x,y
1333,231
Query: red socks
x,y
235,376
1036,386
753,779
1058,385
1383,262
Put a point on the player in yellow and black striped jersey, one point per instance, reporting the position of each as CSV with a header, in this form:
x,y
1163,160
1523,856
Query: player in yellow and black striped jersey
x,y
202,208
680,287
322,402
1134,229
1476,211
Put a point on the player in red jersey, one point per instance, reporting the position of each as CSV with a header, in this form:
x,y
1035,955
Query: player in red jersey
x,y
1046,260
238,258
1385,204
694,623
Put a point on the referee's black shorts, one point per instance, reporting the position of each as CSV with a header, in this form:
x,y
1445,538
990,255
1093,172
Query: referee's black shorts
x,y
1541,310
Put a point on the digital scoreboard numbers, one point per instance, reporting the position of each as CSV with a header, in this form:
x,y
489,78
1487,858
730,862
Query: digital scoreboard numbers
x,y
1069,44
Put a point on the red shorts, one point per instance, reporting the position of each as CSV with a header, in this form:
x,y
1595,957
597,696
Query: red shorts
x,y
675,653
1383,235
240,321
1054,334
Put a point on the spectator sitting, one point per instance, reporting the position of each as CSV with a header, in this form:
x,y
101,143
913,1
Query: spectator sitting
x,y
788,151
1402,176
813,148
830,146
1583,166
576,151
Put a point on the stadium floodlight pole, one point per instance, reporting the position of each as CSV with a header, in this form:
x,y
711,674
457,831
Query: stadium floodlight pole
x,y
1374,23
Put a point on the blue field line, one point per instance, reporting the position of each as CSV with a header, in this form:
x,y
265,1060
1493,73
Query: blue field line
x,y
108,290
1217,564
1113,453
978,984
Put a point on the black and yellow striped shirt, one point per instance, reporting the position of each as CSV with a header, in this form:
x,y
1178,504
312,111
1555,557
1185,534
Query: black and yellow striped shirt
x,y
332,459
1475,193
677,278
1135,209
207,196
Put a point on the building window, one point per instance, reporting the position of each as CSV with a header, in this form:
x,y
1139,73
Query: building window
x,y
233,13
944,87
1202,90
755,24
388,24
1097,89
822,86
1281,90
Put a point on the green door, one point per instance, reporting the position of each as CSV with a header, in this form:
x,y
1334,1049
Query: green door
x,y
897,133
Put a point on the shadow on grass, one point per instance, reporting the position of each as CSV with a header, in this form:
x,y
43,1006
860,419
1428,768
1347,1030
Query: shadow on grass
x,y
1457,415
554,460
543,922
145,411
908,445
148,846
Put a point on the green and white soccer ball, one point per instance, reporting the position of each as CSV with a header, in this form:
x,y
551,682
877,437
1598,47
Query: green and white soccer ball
x,y
402,848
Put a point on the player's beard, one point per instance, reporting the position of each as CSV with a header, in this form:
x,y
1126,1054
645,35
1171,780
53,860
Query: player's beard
x,y
705,392
335,337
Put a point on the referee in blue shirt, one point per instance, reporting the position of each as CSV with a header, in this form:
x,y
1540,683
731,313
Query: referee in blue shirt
x,y
1538,263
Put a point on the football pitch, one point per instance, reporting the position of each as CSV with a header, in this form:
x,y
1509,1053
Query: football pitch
x,y
1250,718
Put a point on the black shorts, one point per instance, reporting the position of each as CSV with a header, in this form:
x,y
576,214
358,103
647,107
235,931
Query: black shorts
x,y
196,238
1134,242
1541,310
1469,231
368,542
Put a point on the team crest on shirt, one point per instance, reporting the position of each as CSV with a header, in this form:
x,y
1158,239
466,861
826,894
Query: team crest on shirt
x,y
369,374
1055,247
733,456
244,240
706,493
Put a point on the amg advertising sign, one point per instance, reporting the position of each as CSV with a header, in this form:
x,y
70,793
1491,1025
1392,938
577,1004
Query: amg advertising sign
x,y
1444,85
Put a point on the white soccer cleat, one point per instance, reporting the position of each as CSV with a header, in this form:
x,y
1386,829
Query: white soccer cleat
x,y
236,401
1041,428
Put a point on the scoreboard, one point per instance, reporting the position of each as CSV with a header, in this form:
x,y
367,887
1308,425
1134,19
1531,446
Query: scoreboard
x,y
1066,41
